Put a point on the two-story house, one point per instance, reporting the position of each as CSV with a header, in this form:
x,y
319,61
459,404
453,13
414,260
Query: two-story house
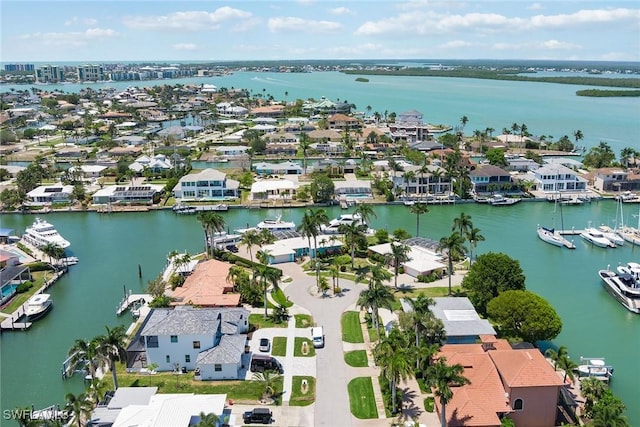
x,y
489,179
208,184
554,178
209,340
419,181
409,126
616,179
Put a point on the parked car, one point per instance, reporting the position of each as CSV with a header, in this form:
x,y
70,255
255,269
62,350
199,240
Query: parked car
x,y
232,248
257,415
265,345
266,363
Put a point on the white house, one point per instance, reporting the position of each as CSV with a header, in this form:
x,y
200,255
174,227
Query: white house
x,y
47,194
157,163
266,189
127,194
284,168
556,177
288,250
231,150
89,171
209,184
421,261
208,340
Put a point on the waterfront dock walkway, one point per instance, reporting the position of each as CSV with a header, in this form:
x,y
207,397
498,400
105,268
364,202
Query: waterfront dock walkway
x,y
132,299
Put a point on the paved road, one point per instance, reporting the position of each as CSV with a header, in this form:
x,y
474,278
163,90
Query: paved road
x,y
332,400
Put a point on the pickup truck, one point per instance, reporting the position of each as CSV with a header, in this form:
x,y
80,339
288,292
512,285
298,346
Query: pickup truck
x,y
257,415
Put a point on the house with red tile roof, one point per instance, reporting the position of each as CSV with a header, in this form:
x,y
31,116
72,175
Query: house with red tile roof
x,y
207,286
519,384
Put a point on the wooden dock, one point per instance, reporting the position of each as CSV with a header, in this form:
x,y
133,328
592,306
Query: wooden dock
x,y
132,299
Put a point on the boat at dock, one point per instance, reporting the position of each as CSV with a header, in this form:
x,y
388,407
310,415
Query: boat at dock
x,y
190,210
42,233
628,197
595,367
595,237
549,235
500,200
37,306
275,224
611,234
624,286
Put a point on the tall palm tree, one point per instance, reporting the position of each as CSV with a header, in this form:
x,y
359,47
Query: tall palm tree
x,y
268,276
464,120
568,366
454,247
250,238
442,378
112,346
208,420
609,416
394,358
399,254
474,237
462,224
211,223
80,406
304,144
365,211
418,209
352,233
307,228
84,354
577,135
556,355
374,298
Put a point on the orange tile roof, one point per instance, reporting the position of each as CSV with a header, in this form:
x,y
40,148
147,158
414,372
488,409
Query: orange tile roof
x,y
524,368
207,286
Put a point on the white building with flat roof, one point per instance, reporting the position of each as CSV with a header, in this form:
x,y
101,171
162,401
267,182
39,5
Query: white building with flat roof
x,y
270,189
422,261
209,184
47,194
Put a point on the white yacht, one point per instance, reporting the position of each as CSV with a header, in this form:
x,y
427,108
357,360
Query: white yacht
x,y
595,367
623,286
276,224
344,219
42,233
595,237
611,234
552,237
500,200
37,306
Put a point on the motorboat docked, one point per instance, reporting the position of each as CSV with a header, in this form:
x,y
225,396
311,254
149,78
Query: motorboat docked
x,y
552,237
628,197
224,240
623,286
37,306
595,367
500,200
611,234
189,210
42,233
344,219
184,209
595,237
272,225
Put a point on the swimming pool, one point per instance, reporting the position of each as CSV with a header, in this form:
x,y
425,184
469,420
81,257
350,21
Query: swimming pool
x,y
7,292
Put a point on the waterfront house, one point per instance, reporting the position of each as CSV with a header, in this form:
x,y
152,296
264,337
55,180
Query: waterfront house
x,y
158,163
428,181
127,194
489,179
353,189
616,179
325,136
284,168
342,121
281,150
48,194
207,286
230,150
12,274
521,164
328,166
128,150
282,138
409,127
554,178
421,261
519,384
269,111
329,148
88,171
276,189
289,250
209,339
209,184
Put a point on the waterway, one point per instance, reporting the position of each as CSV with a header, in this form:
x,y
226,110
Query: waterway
x,y
546,108
112,246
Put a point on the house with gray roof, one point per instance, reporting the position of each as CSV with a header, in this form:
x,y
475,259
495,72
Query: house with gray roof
x,y
462,324
210,341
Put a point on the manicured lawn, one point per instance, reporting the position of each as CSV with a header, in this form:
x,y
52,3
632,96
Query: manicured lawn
x,y
297,349
244,392
259,321
19,299
279,297
302,399
361,399
351,329
279,346
357,358
303,320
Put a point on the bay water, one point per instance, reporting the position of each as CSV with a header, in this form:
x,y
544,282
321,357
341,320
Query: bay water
x,y
112,246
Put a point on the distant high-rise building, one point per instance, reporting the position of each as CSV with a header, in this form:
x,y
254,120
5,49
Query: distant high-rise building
x,y
49,74
19,67
91,73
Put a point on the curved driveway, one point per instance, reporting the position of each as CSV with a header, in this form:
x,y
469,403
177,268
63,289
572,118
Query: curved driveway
x,y
332,399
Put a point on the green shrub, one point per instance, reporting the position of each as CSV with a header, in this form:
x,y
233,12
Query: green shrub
x,y
39,266
24,287
429,404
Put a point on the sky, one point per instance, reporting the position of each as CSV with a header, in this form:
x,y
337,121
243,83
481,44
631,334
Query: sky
x,y
119,30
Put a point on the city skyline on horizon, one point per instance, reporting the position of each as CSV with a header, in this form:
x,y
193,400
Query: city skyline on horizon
x,y
194,31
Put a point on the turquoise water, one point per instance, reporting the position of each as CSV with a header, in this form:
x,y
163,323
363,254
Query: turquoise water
x,y
546,108
112,246
8,290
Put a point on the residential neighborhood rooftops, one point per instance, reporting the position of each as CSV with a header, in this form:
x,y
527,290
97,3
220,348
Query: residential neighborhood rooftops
x,y
207,286
229,350
460,317
187,320
525,368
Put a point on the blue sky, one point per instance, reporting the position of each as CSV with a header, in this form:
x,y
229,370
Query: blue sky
x,y
40,31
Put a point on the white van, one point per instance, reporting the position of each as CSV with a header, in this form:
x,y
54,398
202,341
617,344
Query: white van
x,y
317,335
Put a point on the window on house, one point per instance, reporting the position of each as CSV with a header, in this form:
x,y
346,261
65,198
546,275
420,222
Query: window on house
x,y
518,404
217,367
196,344
152,341
187,358
174,338
168,358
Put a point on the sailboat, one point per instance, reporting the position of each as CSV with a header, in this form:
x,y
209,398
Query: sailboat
x,y
612,233
553,237
630,234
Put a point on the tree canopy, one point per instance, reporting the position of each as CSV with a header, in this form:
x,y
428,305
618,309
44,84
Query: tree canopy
x,y
322,188
491,274
524,315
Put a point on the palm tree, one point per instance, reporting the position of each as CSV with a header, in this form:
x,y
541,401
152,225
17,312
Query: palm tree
x,y
374,298
208,420
394,358
418,209
365,211
52,251
568,366
112,346
334,270
408,177
454,247
462,224
80,406
556,355
577,135
268,276
464,120
304,145
250,238
442,378
211,223
399,254
352,233
474,237
84,354
269,380
609,416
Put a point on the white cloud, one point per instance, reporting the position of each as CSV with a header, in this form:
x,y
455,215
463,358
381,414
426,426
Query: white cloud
x,y
185,46
290,23
72,38
558,45
80,21
187,20
535,6
454,44
582,17
341,11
